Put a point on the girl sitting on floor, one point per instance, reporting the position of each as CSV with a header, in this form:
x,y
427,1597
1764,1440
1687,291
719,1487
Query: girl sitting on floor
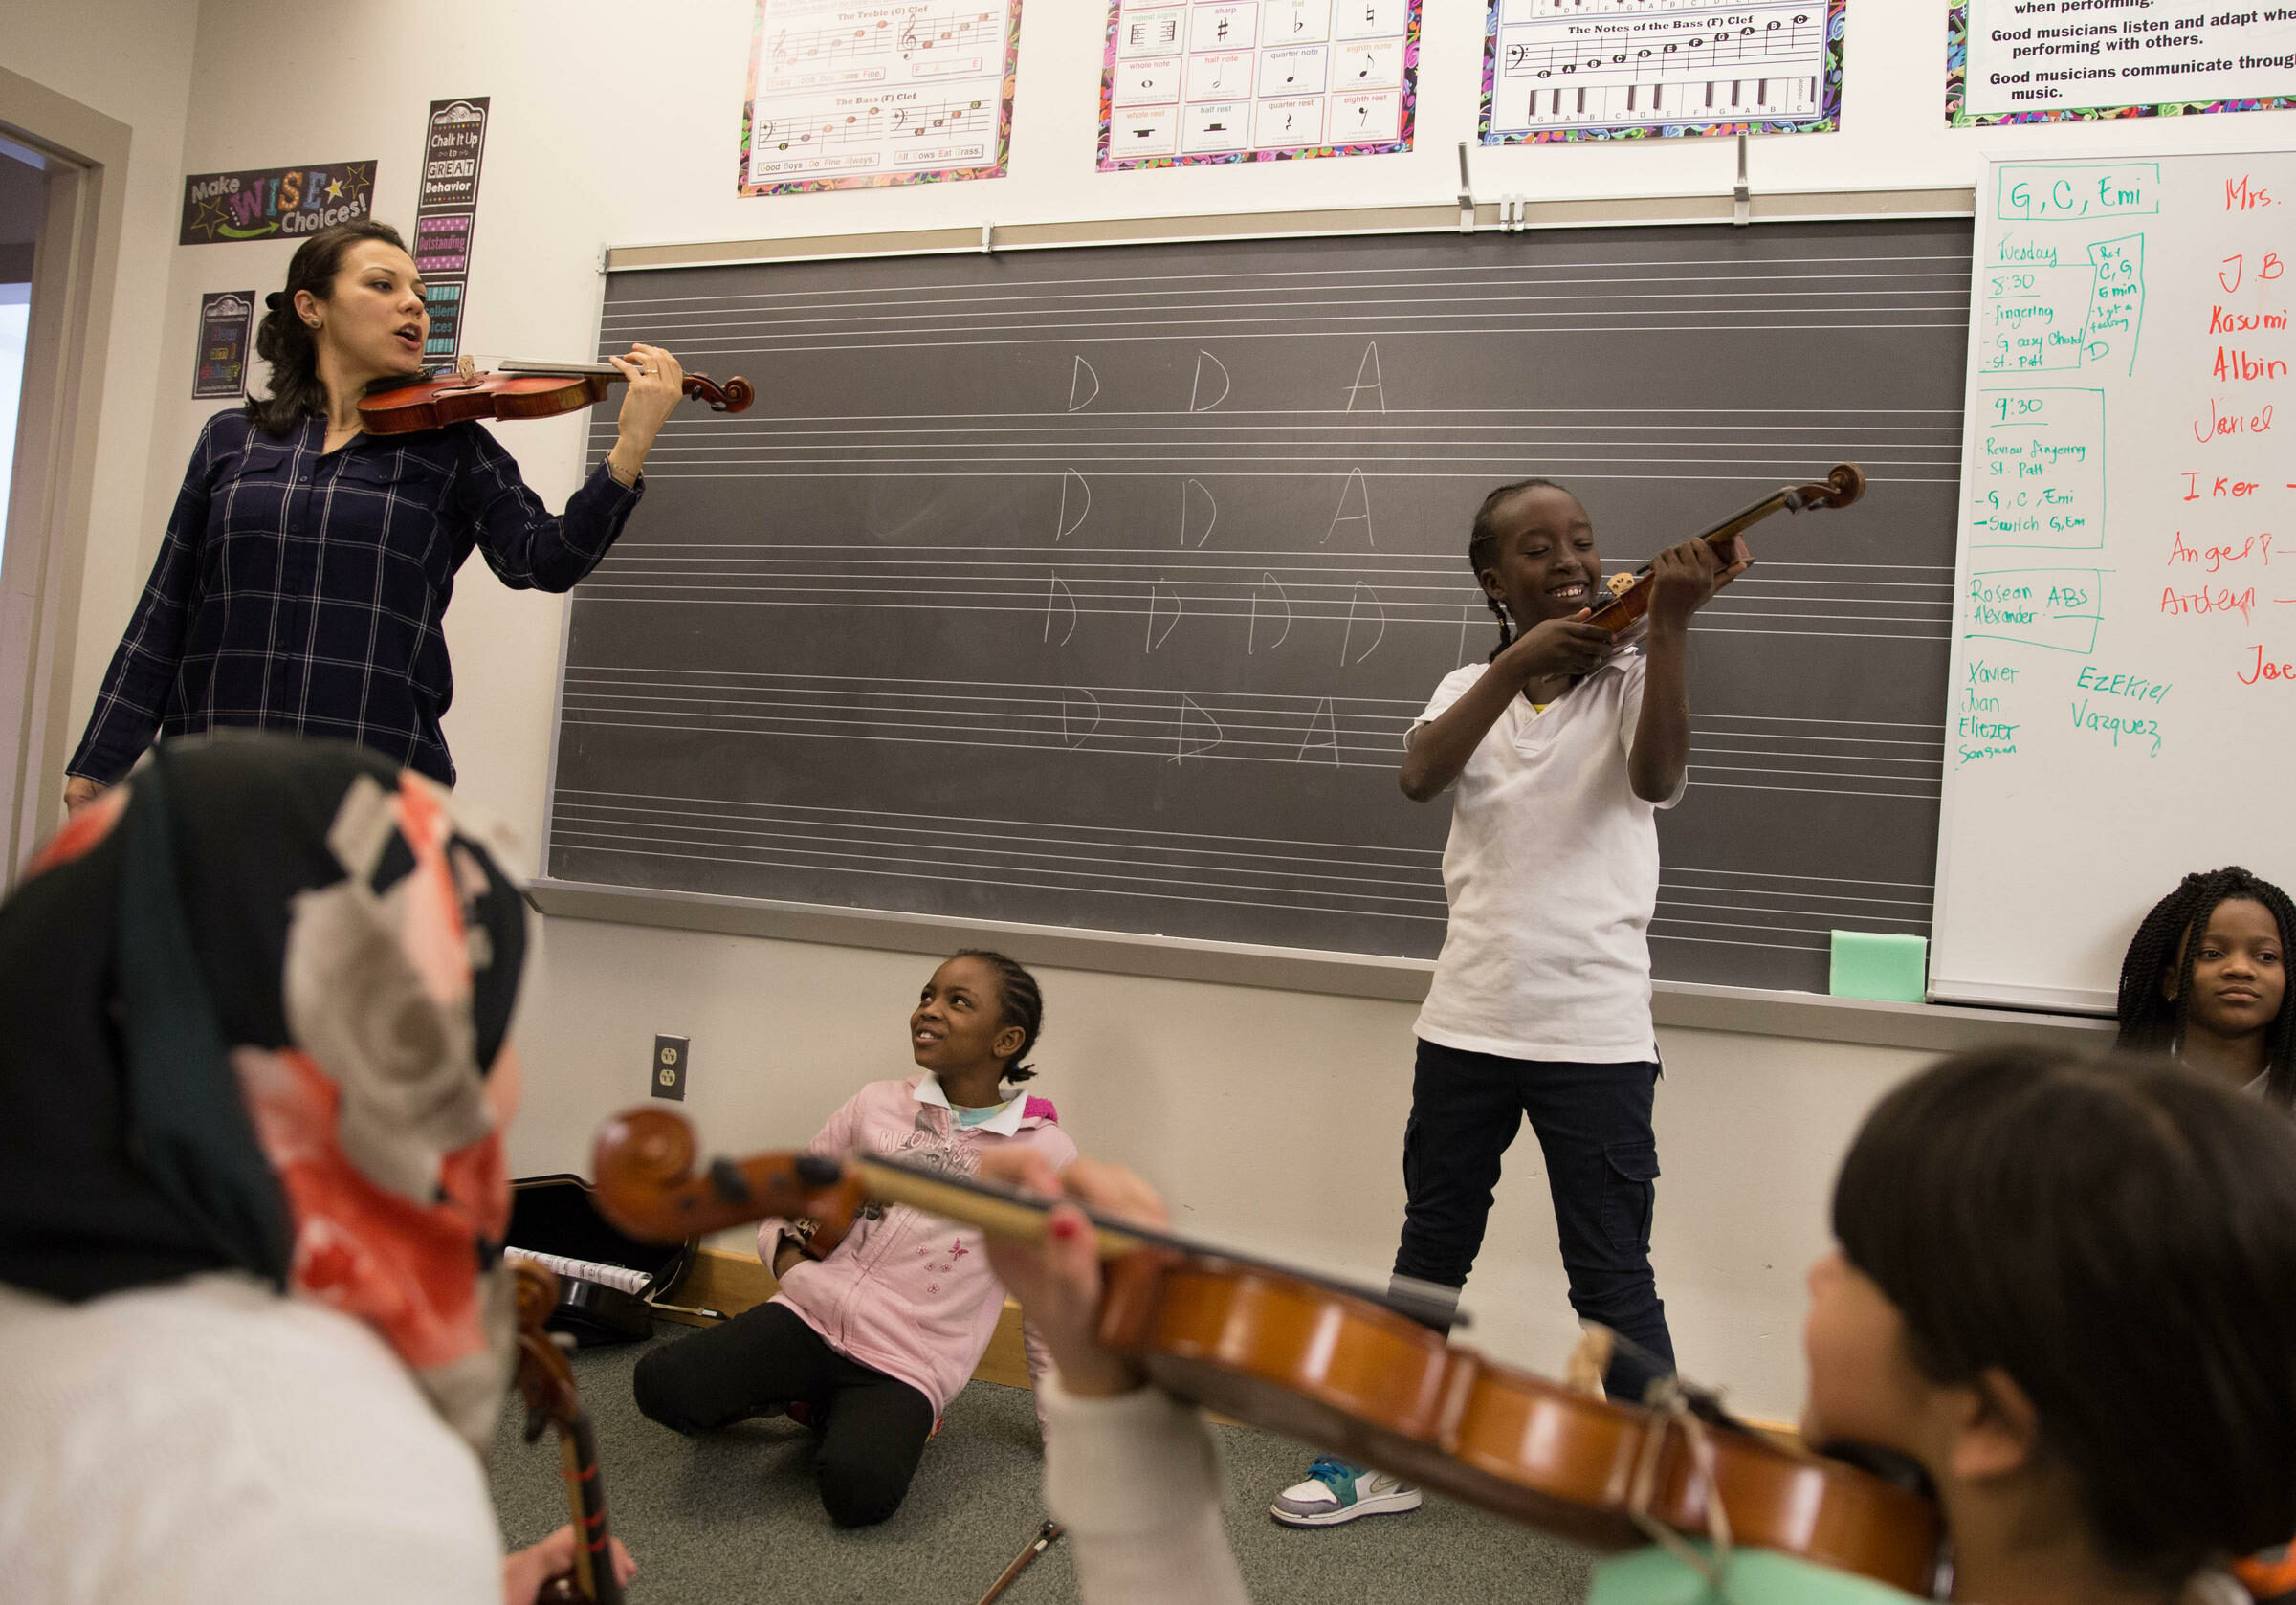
x,y
867,1342
2068,1291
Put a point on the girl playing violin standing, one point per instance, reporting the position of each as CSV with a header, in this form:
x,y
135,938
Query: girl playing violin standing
x,y
305,572
1562,749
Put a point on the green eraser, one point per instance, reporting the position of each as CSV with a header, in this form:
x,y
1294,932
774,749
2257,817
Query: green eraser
x,y
1889,969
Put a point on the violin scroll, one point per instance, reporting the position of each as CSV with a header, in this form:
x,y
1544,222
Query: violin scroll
x,y
733,396
1845,484
544,1378
647,1185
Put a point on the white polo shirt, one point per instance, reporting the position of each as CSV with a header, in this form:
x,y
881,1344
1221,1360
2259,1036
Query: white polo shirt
x,y
1551,874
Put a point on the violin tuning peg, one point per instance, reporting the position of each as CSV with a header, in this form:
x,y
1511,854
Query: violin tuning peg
x,y
816,1169
728,1182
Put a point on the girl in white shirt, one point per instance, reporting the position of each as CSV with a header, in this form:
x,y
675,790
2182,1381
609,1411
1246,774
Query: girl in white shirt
x,y
1562,748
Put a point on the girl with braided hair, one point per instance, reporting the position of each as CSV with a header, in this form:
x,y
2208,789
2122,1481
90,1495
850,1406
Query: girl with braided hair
x,y
2205,980
870,1336
1563,747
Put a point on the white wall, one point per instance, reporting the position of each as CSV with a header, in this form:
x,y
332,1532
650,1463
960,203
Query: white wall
x,y
1272,1118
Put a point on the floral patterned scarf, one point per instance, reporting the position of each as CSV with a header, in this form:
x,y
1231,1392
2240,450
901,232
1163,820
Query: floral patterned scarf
x,y
254,994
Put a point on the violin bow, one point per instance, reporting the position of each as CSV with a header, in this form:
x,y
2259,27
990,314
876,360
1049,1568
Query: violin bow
x,y
1045,1538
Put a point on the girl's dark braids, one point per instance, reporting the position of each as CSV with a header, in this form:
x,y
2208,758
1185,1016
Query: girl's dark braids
x,y
1482,548
1020,1002
2151,1024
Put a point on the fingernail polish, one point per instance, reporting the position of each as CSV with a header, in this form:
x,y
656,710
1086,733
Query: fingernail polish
x,y
1064,1227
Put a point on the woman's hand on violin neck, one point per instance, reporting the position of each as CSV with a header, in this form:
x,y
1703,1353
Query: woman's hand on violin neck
x,y
657,384
1058,1280
525,1570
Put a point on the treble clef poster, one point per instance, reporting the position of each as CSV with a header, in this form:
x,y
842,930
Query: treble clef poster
x,y
852,93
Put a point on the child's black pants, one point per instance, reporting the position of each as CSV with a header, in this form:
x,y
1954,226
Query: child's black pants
x,y
872,1426
1593,1122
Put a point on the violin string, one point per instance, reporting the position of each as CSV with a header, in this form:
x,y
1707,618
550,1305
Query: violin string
x,y
1426,1302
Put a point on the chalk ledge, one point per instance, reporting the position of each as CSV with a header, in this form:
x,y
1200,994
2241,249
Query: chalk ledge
x,y
1677,1005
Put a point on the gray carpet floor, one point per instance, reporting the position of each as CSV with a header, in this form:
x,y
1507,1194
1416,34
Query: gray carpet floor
x,y
733,1519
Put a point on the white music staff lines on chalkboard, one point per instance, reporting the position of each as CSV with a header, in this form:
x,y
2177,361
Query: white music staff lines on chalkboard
x,y
1339,878
1876,293
1731,752
1267,593
1335,878
1207,444
1801,911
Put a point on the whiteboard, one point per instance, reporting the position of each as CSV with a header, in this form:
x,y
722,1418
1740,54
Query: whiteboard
x,y
2123,685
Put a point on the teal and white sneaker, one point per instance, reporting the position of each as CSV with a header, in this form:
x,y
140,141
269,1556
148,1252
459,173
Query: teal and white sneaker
x,y
1336,1492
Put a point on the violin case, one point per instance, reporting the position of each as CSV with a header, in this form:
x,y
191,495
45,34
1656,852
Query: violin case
x,y
557,1215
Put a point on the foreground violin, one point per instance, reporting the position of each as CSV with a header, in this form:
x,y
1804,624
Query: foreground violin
x,y
1630,598
546,1382
1344,1369
518,390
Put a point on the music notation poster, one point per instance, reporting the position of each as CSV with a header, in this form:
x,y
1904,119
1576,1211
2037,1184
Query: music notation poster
x,y
225,324
2061,61
852,93
1640,69
1256,80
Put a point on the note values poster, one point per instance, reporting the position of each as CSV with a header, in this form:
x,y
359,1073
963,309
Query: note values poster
x,y
1256,80
2075,60
853,94
1557,69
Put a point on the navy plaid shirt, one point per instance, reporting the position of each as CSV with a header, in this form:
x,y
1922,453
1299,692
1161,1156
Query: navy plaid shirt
x,y
303,592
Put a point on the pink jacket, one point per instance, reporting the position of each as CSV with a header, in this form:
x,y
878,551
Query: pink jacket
x,y
906,1294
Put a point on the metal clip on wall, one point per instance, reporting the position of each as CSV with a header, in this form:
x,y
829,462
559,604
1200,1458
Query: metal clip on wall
x,y
1742,197
1467,194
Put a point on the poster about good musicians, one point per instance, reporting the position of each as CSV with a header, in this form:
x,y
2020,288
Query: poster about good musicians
x,y
2081,60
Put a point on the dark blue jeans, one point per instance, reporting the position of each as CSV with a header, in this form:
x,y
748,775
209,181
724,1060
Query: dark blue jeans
x,y
1594,1125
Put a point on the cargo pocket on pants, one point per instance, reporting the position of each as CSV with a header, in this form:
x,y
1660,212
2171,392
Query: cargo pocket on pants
x,y
1630,1193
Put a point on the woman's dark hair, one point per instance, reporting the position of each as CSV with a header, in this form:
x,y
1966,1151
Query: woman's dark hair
x,y
284,341
1483,542
1020,1002
2152,1023
2120,1238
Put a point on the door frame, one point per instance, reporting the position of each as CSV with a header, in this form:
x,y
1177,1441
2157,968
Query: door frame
x,y
43,560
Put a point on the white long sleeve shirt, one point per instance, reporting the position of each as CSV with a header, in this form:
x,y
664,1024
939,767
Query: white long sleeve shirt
x,y
208,1442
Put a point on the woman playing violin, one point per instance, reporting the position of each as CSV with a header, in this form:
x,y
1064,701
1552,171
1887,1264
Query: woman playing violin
x,y
2066,1291
306,570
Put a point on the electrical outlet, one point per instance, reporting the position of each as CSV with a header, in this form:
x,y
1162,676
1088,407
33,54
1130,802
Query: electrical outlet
x,y
668,1079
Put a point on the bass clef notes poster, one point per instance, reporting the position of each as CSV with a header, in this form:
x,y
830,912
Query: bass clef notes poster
x,y
1634,68
852,93
1256,80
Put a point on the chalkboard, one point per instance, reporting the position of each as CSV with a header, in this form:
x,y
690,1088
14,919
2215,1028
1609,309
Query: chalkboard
x,y
1096,587
2123,665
